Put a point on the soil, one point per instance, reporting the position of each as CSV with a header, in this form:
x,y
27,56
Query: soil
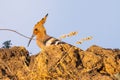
x,y
61,62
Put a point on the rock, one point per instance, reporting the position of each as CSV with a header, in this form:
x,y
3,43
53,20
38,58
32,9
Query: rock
x,y
61,62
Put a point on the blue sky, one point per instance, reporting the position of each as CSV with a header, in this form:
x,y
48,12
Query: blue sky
x,y
97,18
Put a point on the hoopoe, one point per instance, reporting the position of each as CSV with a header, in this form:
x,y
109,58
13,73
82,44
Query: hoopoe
x,y
42,38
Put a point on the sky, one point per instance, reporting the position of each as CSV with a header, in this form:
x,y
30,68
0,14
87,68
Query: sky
x,y
97,18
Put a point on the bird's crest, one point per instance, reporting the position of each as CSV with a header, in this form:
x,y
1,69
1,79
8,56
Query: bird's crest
x,y
39,29
42,21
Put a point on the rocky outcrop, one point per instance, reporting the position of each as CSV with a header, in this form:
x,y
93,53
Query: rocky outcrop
x,y
62,62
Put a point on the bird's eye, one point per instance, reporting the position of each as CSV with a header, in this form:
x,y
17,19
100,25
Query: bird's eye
x,y
36,29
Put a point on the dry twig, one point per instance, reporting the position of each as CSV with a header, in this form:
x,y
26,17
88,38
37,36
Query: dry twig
x,y
16,32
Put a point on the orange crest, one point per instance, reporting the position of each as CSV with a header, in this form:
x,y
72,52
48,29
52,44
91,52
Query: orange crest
x,y
42,21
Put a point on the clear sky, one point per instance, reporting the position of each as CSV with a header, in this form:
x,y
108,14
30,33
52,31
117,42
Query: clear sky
x,y
97,18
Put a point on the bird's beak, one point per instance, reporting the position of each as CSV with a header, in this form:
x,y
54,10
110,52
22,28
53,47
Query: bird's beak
x,y
30,39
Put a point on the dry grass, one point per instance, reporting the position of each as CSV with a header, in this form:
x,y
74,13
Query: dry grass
x,y
68,35
84,39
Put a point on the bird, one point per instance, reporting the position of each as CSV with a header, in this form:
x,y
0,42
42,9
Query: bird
x,y
42,38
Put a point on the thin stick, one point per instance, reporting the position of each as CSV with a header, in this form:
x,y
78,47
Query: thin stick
x,y
17,33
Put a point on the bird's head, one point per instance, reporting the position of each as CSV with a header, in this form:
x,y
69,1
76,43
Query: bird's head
x,y
39,29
